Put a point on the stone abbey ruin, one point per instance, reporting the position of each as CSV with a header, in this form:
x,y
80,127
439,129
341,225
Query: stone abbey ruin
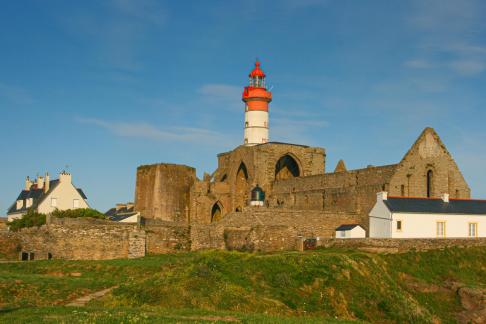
x,y
301,199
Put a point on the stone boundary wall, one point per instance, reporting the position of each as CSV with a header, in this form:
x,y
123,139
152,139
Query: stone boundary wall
x,y
400,245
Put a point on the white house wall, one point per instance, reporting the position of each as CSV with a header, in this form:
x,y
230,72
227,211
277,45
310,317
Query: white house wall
x,y
380,221
425,225
357,232
65,193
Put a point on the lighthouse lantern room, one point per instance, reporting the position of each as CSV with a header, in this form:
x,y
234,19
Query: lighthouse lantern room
x,y
256,99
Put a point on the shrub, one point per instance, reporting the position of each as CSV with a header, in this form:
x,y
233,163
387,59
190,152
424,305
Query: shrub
x,y
76,213
30,219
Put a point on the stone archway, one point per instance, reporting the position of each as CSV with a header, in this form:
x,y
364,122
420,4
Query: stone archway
x,y
216,212
241,187
286,167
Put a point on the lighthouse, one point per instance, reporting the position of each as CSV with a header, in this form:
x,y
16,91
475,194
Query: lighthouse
x,y
256,99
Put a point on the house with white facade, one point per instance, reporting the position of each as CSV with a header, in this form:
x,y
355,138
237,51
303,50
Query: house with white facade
x,y
350,231
44,196
123,213
408,217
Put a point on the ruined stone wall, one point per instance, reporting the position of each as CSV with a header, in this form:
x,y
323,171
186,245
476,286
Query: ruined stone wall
x,y
167,237
400,245
350,192
10,245
259,162
267,229
163,191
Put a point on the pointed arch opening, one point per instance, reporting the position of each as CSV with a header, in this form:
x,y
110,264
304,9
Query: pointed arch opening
x,y
241,187
286,167
216,212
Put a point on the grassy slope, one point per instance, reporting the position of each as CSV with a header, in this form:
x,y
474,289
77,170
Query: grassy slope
x,y
252,287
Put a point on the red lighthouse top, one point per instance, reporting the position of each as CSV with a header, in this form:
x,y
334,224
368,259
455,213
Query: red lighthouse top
x,y
257,72
256,94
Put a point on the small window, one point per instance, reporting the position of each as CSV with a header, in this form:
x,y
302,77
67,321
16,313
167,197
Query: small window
x,y
441,229
246,140
265,124
53,202
246,124
399,226
24,256
31,256
49,255
343,233
473,230
75,203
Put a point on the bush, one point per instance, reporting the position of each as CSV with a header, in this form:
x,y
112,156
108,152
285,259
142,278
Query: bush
x,y
76,213
30,219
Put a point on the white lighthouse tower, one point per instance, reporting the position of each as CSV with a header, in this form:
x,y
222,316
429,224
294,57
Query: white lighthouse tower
x,y
256,98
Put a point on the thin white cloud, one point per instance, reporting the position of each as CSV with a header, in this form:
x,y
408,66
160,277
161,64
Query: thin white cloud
x,y
15,95
419,64
468,67
148,131
222,94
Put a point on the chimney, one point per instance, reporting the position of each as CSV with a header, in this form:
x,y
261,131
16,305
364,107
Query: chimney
x,y
445,197
28,183
40,182
383,195
47,182
130,205
65,177
119,206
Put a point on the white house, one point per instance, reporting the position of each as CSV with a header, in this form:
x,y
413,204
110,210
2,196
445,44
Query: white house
x,y
123,213
406,217
44,196
350,231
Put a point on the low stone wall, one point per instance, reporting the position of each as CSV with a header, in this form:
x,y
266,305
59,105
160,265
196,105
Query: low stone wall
x,y
10,245
400,245
167,238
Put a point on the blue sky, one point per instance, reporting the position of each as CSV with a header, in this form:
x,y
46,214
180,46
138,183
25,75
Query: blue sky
x,y
105,86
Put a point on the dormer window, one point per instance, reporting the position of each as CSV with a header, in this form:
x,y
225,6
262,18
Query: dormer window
x,y
53,202
20,204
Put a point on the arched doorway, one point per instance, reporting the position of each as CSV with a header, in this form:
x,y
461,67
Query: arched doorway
x,y
216,212
241,186
286,167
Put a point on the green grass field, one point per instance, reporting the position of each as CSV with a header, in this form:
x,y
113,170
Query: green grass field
x,y
289,287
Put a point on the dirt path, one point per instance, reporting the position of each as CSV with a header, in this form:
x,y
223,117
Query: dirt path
x,y
82,301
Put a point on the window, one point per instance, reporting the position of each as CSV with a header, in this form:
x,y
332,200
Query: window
x,y
343,233
402,190
246,140
246,124
441,229
430,176
399,225
75,203
53,202
265,124
473,229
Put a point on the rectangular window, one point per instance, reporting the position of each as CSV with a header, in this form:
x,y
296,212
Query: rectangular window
x,y
399,225
441,229
75,203
343,233
473,229
53,202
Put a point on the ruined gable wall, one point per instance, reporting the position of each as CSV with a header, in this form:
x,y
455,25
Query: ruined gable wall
x,y
163,191
428,153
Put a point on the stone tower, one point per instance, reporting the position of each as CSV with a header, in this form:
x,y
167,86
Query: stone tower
x,y
256,98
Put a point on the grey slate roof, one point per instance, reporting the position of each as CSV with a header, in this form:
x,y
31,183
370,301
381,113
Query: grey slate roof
x,y
436,205
346,227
